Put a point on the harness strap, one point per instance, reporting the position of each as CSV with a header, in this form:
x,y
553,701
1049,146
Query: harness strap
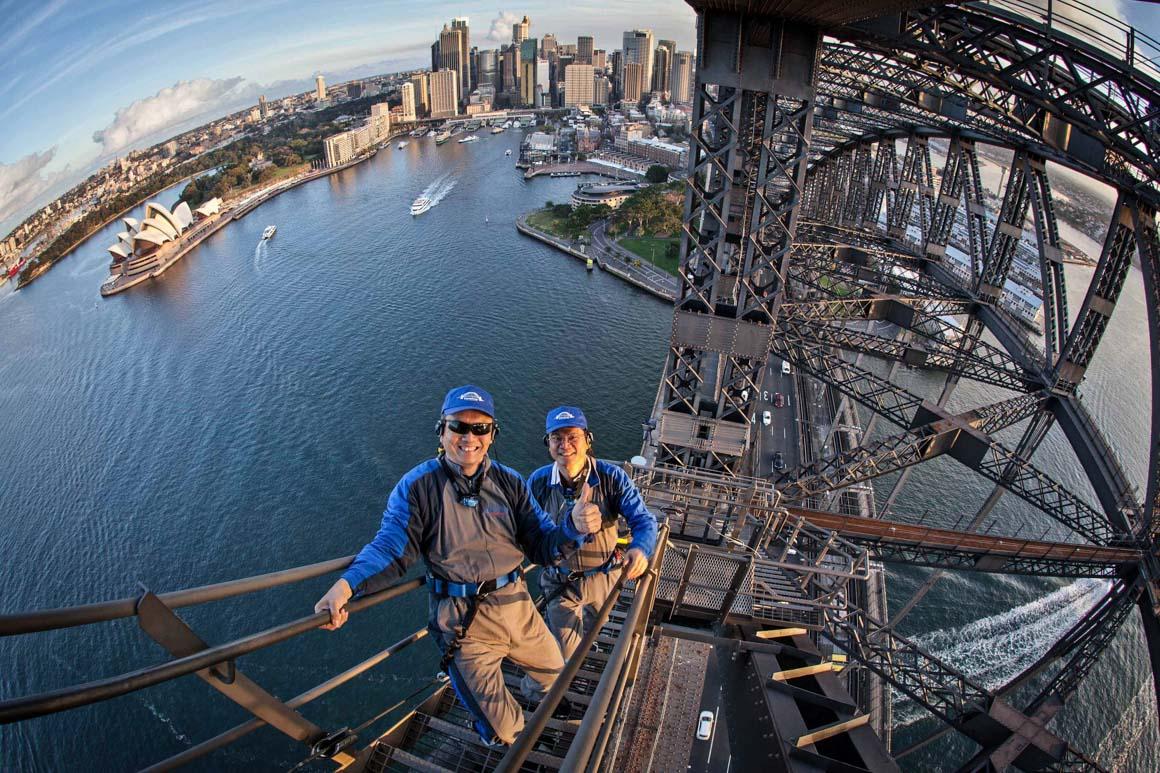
x,y
474,593
568,580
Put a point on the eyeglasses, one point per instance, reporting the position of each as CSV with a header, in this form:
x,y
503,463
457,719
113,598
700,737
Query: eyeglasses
x,y
463,427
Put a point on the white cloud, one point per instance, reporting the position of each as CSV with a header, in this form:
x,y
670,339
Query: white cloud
x,y
501,27
172,106
22,182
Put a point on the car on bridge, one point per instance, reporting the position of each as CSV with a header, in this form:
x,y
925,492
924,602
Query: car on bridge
x,y
778,462
766,418
705,726
778,400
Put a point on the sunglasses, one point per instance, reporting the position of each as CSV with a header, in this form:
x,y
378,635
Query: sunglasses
x,y
463,427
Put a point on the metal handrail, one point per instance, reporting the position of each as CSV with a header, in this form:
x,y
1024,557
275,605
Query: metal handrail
x,y
101,611
52,701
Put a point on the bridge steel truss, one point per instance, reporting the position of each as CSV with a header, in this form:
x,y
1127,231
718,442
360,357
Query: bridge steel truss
x,y
834,183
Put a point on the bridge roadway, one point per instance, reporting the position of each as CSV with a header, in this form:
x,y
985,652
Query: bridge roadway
x,y
984,545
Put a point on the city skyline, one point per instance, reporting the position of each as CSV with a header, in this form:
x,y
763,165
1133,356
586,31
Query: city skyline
x,y
87,86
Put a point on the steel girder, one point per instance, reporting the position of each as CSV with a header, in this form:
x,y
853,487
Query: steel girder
x,y
1055,318
746,174
1093,105
942,558
916,185
1007,233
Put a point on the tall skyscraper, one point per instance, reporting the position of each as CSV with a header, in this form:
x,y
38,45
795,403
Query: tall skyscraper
x,y
444,93
528,72
616,62
579,81
510,67
633,81
319,87
662,70
601,90
263,108
600,59
435,56
453,53
682,82
489,69
521,29
638,49
584,50
422,83
466,81
548,46
407,90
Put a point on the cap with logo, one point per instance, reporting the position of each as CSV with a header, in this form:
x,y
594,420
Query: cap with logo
x,y
468,398
564,416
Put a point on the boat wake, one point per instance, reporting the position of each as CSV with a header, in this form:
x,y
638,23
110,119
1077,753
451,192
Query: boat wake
x,y
1125,736
995,649
260,253
438,190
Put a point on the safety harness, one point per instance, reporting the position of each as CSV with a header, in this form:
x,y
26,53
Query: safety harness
x,y
475,593
569,579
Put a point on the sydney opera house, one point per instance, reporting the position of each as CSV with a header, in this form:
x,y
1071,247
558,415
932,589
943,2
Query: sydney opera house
x,y
146,248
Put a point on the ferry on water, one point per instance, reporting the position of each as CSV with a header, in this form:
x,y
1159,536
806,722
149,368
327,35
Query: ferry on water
x,y
442,137
421,205
402,145
270,230
468,138
509,152
497,130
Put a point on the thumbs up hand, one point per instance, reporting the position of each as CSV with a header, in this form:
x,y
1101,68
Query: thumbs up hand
x,y
585,515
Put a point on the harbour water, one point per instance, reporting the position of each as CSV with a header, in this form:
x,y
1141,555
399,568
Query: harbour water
x,y
250,410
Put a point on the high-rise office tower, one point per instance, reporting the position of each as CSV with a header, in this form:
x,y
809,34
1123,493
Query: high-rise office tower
x,y
466,81
600,59
633,81
528,72
638,49
435,56
521,29
601,90
616,61
579,81
489,69
682,82
662,70
510,67
319,88
584,50
407,91
543,91
421,81
444,93
453,53
548,46
263,108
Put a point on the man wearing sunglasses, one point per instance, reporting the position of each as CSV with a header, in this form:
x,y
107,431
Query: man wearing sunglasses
x,y
576,588
473,521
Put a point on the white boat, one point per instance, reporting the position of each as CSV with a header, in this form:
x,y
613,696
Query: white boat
x,y
402,145
509,152
497,130
431,133
468,138
268,232
421,205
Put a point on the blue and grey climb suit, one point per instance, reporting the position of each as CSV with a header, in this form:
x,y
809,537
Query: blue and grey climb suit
x,y
573,604
474,540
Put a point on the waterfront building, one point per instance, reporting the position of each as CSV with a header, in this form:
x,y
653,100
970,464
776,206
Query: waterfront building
x,y
610,195
521,29
584,49
338,148
682,82
380,121
579,84
633,82
407,91
263,108
666,153
445,94
319,88
638,49
510,70
466,79
538,148
600,59
421,82
453,55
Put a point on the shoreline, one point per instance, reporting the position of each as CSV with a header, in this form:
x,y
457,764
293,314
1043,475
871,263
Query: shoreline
x,y
614,266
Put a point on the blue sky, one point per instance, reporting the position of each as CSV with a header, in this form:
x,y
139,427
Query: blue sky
x,y
83,82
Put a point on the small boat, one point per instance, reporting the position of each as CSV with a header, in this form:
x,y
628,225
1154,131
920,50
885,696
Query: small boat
x,y
402,145
497,130
588,265
509,152
432,133
270,230
421,205
468,138
442,137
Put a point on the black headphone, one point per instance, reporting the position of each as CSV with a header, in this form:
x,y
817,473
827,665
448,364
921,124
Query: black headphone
x,y
587,436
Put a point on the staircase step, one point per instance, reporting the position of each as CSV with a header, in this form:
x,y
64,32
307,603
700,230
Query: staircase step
x,y
411,761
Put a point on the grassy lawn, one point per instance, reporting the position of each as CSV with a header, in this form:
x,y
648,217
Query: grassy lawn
x,y
652,249
546,220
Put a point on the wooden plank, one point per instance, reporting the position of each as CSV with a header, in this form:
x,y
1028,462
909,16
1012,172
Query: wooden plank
x,y
829,731
778,633
796,673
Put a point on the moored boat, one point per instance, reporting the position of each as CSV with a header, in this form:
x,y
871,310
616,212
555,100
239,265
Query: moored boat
x,y
442,137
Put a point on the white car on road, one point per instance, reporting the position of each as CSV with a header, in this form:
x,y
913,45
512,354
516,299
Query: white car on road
x,y
705,726
766,418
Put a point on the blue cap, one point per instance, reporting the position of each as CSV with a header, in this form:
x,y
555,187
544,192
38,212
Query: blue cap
x,y
468,398
564,416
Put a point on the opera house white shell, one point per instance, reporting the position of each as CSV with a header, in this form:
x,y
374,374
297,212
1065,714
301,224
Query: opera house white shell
x,y
159,227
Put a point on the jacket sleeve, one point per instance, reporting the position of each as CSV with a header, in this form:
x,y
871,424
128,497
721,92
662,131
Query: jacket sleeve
x,y
542,541
640,520
396,546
